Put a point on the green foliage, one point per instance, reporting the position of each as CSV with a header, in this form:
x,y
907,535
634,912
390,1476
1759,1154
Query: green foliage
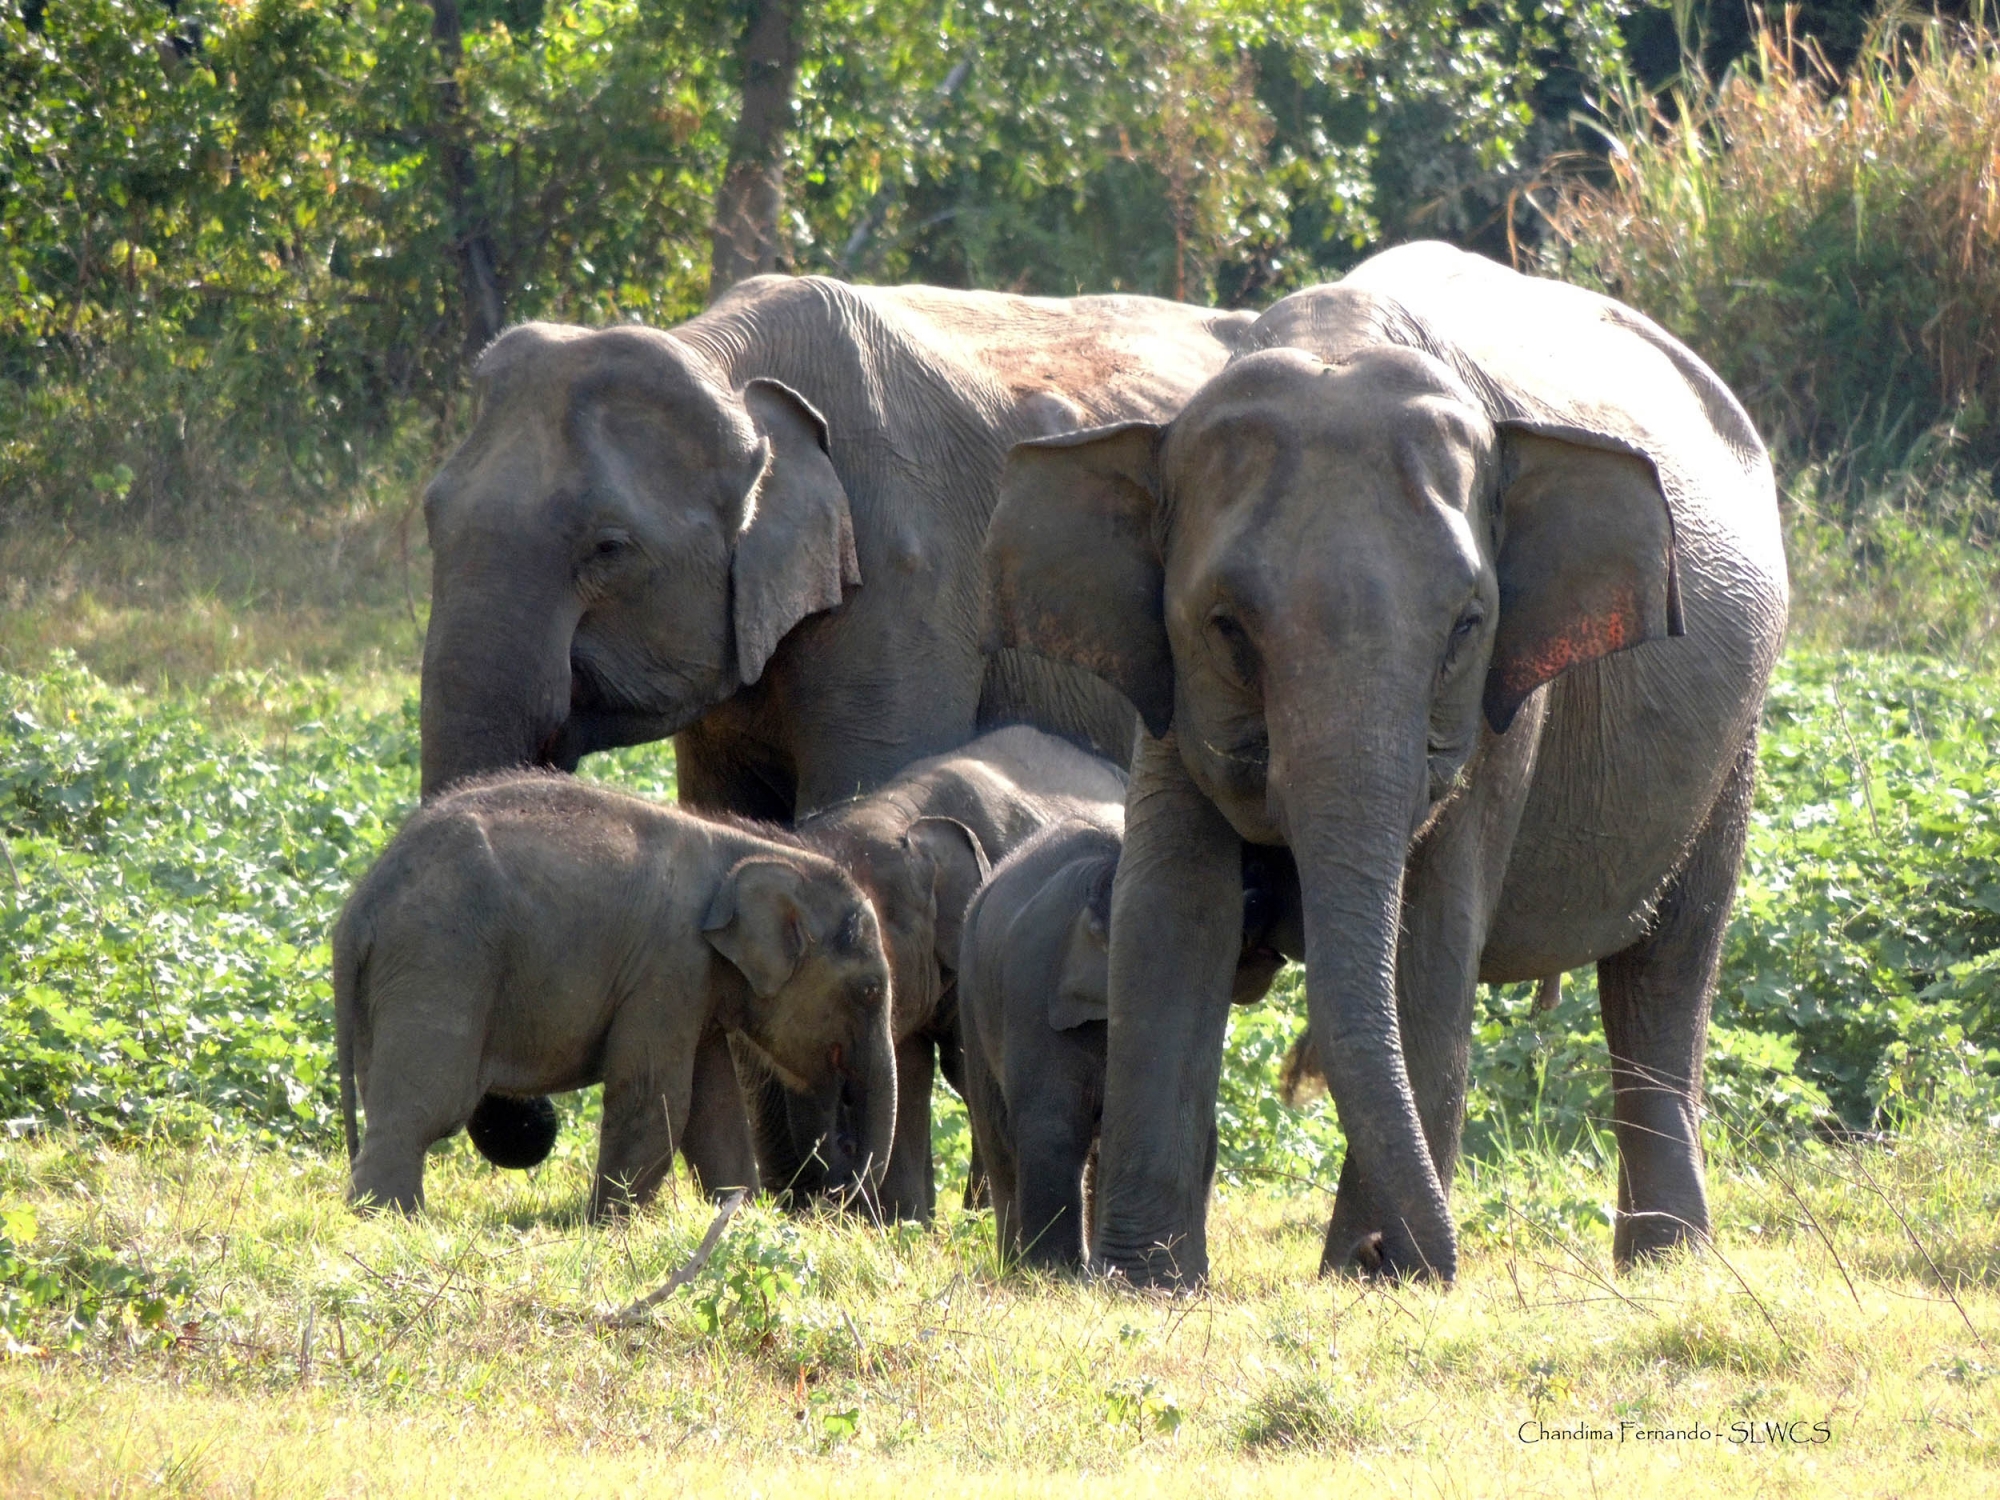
x,y
1825,242
233,270
1869,920
163,963
233,237
755,1273
1859,983
75,1293
1213,148
1260,1140
1143,1405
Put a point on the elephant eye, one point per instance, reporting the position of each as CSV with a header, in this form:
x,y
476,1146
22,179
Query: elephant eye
x,y
610,544
1462,633
1230,644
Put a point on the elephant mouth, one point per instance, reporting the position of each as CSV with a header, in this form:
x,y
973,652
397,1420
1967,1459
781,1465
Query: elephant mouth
x,y
600,720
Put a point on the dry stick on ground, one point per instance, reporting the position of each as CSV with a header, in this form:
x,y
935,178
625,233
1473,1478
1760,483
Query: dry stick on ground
x,y
633,1314
1590,1272
450,1275
1943,1285
1812,1219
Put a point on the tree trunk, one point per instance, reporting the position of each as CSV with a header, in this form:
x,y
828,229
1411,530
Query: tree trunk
x,y
471,239
750,204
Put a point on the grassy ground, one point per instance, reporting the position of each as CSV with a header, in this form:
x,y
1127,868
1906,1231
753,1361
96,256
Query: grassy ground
x,y
345,592
1841,1339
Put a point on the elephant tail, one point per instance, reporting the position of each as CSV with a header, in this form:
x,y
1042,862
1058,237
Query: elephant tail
x,y
350,952
1303,1077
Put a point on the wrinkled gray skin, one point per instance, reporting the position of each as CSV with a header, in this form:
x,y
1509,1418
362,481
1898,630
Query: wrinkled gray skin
x,y
531,934
1403,590
921,845
647,533
1033,987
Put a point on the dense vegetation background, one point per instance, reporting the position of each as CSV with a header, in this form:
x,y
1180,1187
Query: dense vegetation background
x,y
246,246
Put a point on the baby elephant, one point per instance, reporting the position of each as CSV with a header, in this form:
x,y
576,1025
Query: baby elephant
x,y
532,934
1033,980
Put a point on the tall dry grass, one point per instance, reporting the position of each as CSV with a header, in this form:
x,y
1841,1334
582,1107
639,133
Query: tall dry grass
x,y
1830,243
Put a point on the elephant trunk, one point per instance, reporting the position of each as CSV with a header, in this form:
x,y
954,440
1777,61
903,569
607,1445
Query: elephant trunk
x,y
496,675
1348,773
877,1079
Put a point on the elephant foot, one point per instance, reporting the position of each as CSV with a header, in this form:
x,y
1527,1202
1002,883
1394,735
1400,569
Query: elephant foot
x,y
514,1133
1363,1240
1167,1266
1347,1255
1652,1236
1370,1255
368,1201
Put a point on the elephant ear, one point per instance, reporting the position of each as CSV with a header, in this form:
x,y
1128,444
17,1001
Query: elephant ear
x,y
795,552
1073,565
961,867
1586,560
1082,992
756,920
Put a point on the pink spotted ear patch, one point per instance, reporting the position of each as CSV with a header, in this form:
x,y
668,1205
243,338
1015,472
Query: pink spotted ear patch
x,y
1585,639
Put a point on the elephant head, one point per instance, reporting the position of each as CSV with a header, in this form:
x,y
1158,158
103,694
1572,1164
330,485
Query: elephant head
x,y
818,1012
921,877
620,544
1322,577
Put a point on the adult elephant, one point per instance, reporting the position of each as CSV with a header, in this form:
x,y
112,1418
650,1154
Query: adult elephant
x,y
1396,590
759,533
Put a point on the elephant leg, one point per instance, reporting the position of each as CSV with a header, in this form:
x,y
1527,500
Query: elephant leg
x,y
908,1190
1054,1147
1176,934
1053,1103
420,1082
716,1144
992,1141
647,1100
1451,888
1655,999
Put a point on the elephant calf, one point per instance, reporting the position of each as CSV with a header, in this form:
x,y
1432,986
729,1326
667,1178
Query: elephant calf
x,y
1033,986
920,845
532,934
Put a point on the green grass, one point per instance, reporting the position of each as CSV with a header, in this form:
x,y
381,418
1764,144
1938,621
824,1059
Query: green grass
x,y
217,1323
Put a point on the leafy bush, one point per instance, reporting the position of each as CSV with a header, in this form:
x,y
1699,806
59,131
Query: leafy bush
x,y
1828,244
163,958
88,1288
230,235
1861,979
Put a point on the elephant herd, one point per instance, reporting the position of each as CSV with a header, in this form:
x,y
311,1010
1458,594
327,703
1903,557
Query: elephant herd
x,y
1042,674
